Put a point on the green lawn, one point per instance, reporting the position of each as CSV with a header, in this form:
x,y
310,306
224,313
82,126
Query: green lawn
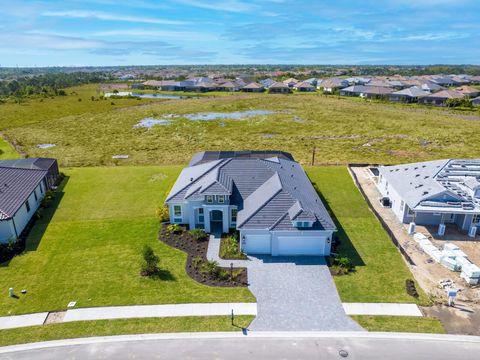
x,y
119,327
7,151
89,251
343,130
380,270
400,324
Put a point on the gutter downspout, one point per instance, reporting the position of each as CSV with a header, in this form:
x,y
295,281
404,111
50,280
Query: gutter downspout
x,y
15,228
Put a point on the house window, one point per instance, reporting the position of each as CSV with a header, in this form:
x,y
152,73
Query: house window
x,y
234,216
402,204
221,199
35,194
476,219
41,188
177,213
27,204
410,212
209,199
201,216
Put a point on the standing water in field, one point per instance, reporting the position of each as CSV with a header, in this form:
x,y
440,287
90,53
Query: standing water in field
x,y
232,115
149,122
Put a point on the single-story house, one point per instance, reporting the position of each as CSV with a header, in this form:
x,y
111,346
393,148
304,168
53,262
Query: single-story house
x,y
365,91
228,86
409,95
475,80
305,86
433,192
279,88
291,82
265,195
468,91
266,83
445,81
23,185
253,87
440,98
476,101
332,84
431,87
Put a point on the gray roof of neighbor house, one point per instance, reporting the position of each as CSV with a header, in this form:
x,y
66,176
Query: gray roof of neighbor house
x,y
447,94
279,85
411,92
423,185
271,192
253,85
304,84
364,89
29,163
16,185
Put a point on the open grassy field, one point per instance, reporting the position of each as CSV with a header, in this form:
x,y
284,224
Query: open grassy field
x,y
380,271
38,109
344,130
400,324
90,250
119,327
7,151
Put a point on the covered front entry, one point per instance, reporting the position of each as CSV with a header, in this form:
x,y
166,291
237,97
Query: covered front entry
x,y
300,245
216,221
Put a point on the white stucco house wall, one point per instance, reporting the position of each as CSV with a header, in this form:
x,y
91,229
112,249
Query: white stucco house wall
x,y
265,195
23,185
434,192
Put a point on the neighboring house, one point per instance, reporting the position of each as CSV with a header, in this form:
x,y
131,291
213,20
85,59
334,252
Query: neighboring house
x,y
475,80
253,87
409,95
291,82
476,101
332,84
267,83
265,195
468,91
228,86
445,81
430,86
279,88
368,92
23,185
305,86
379,83
434,192
440,98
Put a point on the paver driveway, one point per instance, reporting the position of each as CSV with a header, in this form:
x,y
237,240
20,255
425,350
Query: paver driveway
x,y
293,293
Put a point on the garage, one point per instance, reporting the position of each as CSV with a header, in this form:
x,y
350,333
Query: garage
x,y
301,245
257,244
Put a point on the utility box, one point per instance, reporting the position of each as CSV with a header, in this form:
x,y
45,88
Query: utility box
x,y
472,232
441,229
411,228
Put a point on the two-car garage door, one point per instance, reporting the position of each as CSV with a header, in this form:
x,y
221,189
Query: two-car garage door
x,y
300,245
285,245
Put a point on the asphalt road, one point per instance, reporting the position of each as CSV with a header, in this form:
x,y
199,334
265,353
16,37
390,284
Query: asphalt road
x,y
370,346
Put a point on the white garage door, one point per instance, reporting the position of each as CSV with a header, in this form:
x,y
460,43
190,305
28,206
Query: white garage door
x,y
258,244
301,245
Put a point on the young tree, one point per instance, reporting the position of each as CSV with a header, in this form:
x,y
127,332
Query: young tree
x,y
150,262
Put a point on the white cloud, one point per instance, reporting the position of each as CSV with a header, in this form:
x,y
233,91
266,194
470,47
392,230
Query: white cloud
x,y
183,35
227,5
80,14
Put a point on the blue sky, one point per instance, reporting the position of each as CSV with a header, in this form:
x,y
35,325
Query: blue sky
x,y
137,32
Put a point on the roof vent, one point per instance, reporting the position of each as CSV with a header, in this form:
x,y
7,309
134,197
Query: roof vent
x,y
191,179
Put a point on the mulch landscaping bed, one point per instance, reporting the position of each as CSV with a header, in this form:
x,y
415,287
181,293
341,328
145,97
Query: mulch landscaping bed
x,y
187,243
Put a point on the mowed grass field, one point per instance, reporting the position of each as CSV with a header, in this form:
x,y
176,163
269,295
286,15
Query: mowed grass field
x,y
123,326
90,250
380,270
343,130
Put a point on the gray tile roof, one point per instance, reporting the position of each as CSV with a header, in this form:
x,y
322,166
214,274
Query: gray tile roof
x,y
413,92
16,185
423,185
29,163
270,192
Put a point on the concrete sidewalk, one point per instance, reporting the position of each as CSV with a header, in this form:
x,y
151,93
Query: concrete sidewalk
x,y
391,309
16,321
148,311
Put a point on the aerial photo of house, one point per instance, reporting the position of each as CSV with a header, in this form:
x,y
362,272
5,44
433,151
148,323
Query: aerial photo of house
x,y
265,195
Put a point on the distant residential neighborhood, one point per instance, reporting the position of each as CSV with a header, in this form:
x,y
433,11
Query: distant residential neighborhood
x,y
436,90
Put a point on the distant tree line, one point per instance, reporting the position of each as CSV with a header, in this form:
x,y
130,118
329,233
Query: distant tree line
x,y
48,84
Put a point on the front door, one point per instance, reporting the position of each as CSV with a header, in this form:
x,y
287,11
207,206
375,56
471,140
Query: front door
x,y
216,222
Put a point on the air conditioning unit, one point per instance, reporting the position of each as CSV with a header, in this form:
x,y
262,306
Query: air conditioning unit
x,y
411,228
441,229
472,232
